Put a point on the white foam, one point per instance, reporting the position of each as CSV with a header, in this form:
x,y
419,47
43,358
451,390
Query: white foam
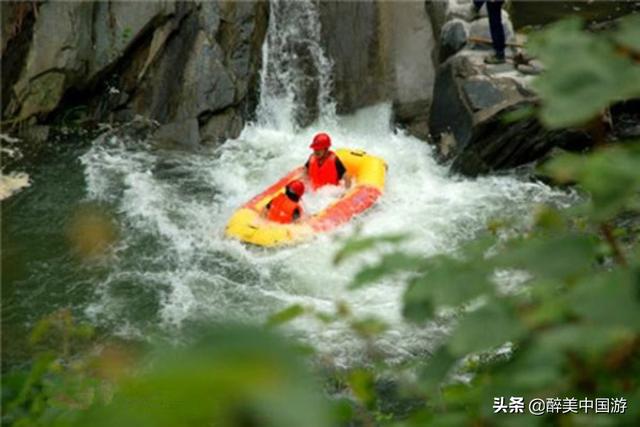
x,y
180,202
173,207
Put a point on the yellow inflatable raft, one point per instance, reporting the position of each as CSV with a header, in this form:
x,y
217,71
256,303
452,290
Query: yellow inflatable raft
x,y
367,174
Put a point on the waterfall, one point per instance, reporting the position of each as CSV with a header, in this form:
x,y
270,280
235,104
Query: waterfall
x,y
296,84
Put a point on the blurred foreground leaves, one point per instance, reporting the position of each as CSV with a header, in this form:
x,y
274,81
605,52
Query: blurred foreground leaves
x,y
586,72
569,327
233,376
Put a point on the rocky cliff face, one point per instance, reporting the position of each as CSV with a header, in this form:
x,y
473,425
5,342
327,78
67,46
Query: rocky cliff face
x,y
193,67
382,51
186,65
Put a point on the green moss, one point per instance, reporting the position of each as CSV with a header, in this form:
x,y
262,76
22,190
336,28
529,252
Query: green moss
x,y
43,94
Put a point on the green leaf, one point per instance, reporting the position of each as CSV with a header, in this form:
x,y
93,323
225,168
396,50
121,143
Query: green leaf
x,y
285,315
418,304
549,219
233,376
560,257
628,34
450,282
362,384
533,367
551,310
369,327
521,113
584,74
389,264
581,338
491,325
446,280
358,245
610,175
608,299
436,370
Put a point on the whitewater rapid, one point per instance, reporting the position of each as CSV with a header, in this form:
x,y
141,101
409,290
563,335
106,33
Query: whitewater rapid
x,y
173,270
174,263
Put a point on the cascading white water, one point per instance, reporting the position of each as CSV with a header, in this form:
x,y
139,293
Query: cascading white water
x,y
293,61
173,268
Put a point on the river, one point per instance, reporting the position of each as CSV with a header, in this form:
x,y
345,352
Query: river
x,y
169,268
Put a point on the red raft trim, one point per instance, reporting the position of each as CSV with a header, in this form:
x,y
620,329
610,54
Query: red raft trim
x,y
356,201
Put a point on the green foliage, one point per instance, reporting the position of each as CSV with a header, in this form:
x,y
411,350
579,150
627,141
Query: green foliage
x,y
358,245
610,176
56,384
629,34
285,315
388,265
586,72
233,377
571,328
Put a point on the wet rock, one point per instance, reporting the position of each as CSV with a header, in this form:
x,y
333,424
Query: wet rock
x,y
381,51
482,93
206,85
413,117
450,112
470,99
222,126
62,56
410,44
117,25
453,38
625,119
36,134
351,40
184,132
53,62
466,121
40,95
209,65
241,34
496,146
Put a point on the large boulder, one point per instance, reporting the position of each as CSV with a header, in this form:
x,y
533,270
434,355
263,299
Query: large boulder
x,y
221,126
410,42
184,132
496,146
469,119
471,100
56,58
453,38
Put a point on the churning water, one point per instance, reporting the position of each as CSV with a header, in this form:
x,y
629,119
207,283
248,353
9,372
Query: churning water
x,y
172,269
173,206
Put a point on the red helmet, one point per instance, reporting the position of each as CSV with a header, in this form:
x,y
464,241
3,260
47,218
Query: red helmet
x,y
321,141
296,187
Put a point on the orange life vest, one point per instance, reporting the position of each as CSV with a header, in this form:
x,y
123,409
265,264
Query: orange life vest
x,y
282,209
325,173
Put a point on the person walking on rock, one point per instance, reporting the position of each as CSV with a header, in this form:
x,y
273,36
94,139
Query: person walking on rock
x,y
494,10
